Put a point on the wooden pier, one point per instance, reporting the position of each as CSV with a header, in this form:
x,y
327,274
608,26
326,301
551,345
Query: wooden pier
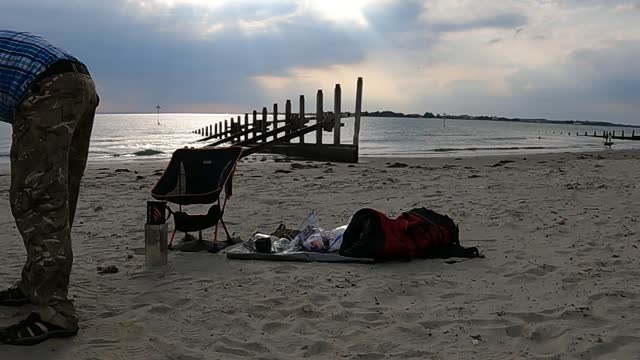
x,y
613,135
259,133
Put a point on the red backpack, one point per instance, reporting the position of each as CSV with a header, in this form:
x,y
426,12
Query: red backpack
x,y
419,233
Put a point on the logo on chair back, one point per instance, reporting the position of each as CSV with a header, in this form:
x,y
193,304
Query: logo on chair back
x,y
156,212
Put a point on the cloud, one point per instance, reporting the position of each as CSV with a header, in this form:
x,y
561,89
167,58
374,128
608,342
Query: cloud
x,y
139,55
554,58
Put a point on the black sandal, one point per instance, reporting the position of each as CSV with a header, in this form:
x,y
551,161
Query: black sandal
x,y
13,296
33,330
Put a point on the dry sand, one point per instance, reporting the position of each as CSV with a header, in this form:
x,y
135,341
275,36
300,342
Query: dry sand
x,y
559,281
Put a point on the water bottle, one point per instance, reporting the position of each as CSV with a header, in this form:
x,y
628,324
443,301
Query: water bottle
x,y
155,234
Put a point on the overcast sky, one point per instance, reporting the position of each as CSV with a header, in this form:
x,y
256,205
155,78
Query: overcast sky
x,y
561,59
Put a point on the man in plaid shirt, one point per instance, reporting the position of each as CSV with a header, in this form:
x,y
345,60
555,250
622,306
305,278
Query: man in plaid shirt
x,y
50,99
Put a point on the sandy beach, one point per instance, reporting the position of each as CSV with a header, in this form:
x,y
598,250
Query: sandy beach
x,y
560,233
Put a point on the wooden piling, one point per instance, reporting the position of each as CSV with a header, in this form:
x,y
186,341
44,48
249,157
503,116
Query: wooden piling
x,y
356,129
337,113
275,120
287,117
263,123
301,120
255,124
232,127
260,136
319,117
246,126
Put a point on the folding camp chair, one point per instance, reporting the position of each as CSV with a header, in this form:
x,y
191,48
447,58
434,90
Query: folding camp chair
x,y
198,176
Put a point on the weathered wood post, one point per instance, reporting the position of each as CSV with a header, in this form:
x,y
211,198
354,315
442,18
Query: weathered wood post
x,y
263,123
287,118
356,129
622,134
275,121
319,117
226,127
633,133
337,113
302,120
210,129
246,126
206,131
255,123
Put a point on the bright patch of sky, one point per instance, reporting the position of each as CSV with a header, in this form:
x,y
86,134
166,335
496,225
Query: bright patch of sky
x,y
564,59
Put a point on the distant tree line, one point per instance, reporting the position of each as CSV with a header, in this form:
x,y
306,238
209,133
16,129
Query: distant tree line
x,y
430,115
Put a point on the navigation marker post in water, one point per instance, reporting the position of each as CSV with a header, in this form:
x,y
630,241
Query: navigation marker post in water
x,y
158,108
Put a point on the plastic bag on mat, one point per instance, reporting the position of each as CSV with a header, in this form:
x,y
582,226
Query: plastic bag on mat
x,y
337,235
284,245
314,243
325,240
308,227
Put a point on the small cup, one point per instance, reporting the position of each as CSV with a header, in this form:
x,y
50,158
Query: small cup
x,y
263,245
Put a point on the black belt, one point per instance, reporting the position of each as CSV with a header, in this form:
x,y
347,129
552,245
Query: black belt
x,y
63,66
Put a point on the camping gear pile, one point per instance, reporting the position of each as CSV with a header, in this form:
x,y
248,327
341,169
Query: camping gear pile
x,y
418,233
200,176
311,237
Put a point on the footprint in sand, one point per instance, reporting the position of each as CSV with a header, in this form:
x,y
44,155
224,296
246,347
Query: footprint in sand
x,y
534,271
275,327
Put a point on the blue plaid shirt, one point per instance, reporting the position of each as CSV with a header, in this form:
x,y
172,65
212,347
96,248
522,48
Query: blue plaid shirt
x,y
23,57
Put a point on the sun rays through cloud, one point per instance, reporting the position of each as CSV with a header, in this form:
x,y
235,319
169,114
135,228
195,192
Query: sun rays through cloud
x,y
559,59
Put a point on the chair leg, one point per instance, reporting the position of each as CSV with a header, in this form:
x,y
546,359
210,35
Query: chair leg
x,y
172,236
229,239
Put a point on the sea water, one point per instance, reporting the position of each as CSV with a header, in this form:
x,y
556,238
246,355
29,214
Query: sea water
x,y
139,136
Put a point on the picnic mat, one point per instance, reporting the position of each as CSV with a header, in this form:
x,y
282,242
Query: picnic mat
x,y
244,251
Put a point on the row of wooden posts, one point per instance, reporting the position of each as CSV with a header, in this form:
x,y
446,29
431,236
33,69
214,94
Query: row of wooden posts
x,y
274,134
606,134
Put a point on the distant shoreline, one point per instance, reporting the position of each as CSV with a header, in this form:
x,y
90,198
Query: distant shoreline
x,y
431,116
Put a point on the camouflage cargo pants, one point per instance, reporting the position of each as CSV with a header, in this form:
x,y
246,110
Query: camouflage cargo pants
x,y
51,131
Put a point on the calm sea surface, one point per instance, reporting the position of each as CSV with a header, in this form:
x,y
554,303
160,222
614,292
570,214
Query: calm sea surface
x,y
129,136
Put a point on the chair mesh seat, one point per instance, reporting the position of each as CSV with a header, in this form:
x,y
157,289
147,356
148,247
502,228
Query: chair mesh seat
x,y
197,176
